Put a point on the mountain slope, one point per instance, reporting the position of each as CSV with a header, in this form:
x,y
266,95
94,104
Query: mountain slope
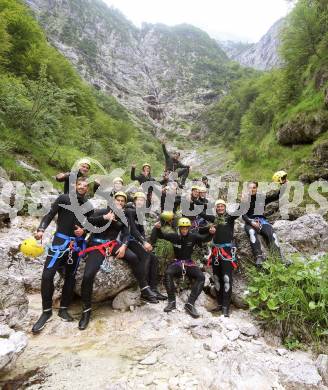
x,y
262,55
279,119
49,116
162,74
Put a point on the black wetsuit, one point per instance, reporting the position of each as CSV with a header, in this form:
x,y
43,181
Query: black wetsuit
x,y
137,240
65,226
222,269
266,229
183,249
116,230
174,165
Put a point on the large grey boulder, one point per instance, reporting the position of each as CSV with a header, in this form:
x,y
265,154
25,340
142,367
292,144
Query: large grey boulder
x,y
107,285
307,234
13,298
303,129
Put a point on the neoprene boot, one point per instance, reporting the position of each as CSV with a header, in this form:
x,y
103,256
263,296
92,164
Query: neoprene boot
x,y
64,314
41,322
170,306
85,319
191,310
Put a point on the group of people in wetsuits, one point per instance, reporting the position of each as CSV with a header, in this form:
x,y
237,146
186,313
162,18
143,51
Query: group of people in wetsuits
x,y
119,232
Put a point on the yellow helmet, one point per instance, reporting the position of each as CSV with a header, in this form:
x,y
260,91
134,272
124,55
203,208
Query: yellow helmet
x,y
85,161
118,179
220,201
167,216
146,165
184,222
202,189
31,248
139,194
121,193
279,176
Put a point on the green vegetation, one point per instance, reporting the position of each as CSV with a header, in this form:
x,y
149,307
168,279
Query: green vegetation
x,y
49,117
248,118
292,300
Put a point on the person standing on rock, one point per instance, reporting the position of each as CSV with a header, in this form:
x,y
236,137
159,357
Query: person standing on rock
x,y
173,164
142,178
256,223
223,255
183,244
67,242
112,241
84,168
139,245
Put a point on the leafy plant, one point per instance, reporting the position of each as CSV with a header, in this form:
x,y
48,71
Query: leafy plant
x,y
292,299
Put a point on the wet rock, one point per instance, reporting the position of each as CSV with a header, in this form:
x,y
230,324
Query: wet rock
x,y
322,366
126,299
12,345
107,285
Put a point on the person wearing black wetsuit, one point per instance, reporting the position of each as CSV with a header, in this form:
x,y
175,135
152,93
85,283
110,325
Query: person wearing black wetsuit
x,y
84,168
67,242
113,240
173,164
139,245
183,244
256,223
222,258
144,177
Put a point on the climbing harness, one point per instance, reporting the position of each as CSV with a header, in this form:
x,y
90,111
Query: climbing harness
x,y
261,221
219,253
70,245
183,264
105,248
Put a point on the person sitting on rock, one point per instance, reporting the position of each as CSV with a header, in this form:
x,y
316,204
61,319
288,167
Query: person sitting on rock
x,y
223,255
84,168
139,245
173,164
63,253
112,241
256,223
183,244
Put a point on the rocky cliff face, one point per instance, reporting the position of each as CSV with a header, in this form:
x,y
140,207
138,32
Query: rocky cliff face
x,y
164,74
262,55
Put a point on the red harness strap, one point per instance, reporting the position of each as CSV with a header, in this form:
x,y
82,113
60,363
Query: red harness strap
x,y
222,254
101,248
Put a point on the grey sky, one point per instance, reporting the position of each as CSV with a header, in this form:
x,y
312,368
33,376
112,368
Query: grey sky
x,y
245,20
